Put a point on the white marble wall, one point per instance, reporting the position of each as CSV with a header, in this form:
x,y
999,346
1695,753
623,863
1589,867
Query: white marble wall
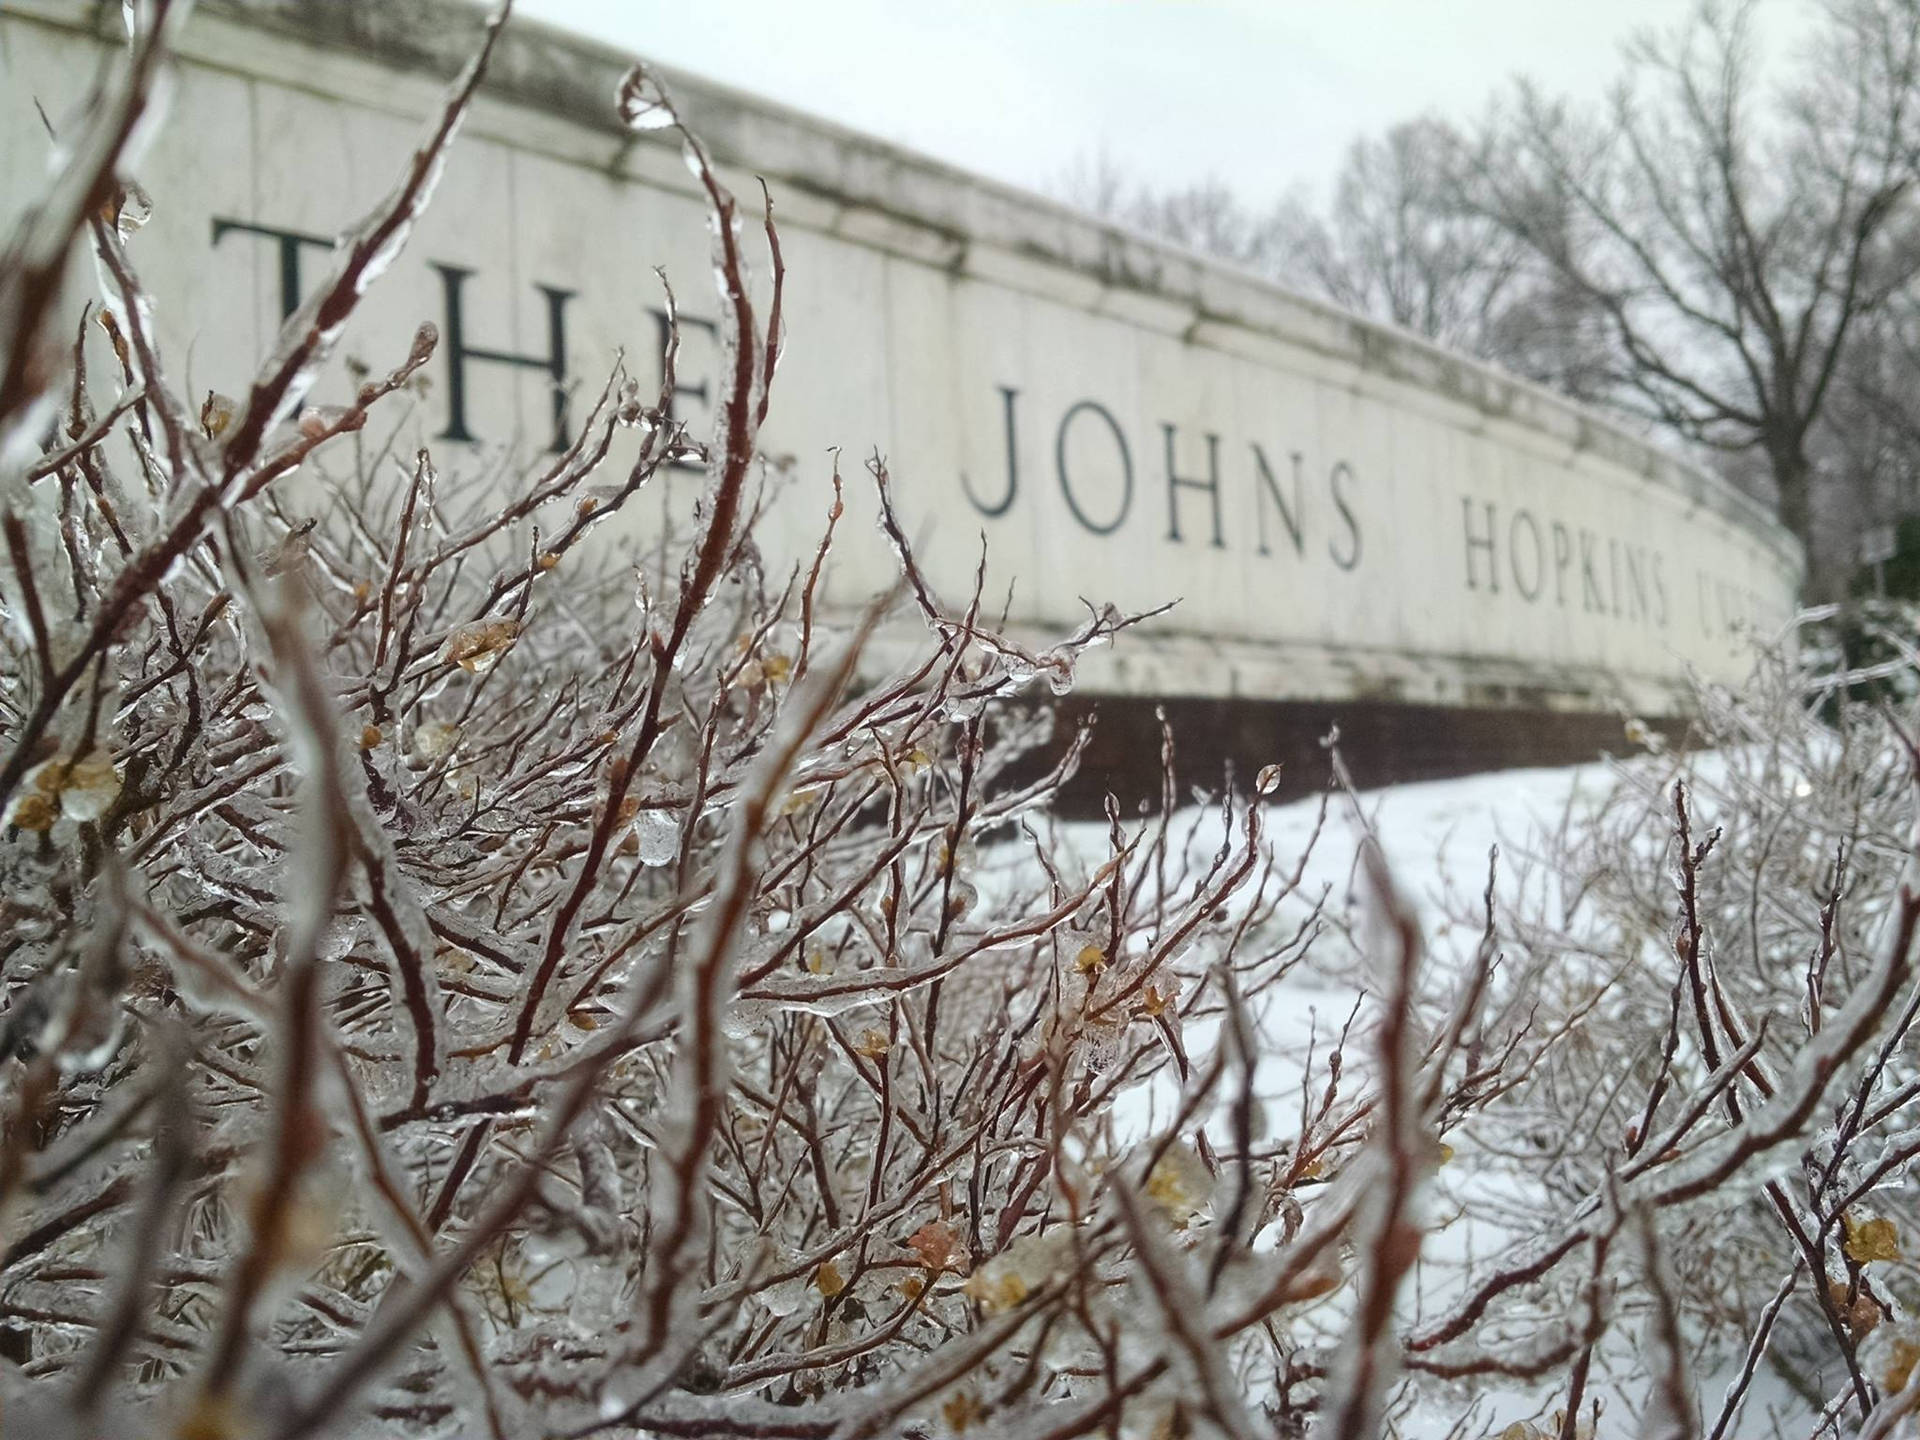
x,y
1446,535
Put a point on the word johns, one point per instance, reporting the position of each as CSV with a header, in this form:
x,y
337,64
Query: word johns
x,y
1093,466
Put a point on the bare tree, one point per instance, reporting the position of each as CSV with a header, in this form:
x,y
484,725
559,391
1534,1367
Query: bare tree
x,y
1205,216
1394,244
1870,434
1390,246
1735,241
1723,255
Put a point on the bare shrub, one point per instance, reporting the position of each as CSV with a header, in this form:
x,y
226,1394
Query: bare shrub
x,y
464,973
1721,914
472,969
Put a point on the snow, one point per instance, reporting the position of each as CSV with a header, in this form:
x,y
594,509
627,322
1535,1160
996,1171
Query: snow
x,y
1437,836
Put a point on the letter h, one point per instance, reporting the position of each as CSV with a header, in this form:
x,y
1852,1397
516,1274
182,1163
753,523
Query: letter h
x,y
1177,482
1481,542
453,278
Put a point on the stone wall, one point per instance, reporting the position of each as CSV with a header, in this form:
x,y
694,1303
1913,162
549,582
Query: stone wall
x,y
1344,512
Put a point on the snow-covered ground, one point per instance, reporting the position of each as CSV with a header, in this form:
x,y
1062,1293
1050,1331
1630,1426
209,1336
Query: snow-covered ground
x,y
1437,837
1437,834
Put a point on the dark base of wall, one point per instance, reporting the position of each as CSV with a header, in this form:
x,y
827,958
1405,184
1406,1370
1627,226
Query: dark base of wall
x,y
1383,744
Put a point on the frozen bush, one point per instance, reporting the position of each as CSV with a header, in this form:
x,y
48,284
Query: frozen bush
x,y
468,971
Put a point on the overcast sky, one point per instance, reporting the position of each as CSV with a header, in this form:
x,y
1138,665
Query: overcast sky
x,y
1262,93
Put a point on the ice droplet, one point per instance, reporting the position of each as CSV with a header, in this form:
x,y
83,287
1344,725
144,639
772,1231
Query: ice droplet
x,y
317,421
642,103
134,209
631,410
1059,671
217,414
543,1250
786,1297
1180,1185
82,789
92,785
434,740
476,648
658,836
